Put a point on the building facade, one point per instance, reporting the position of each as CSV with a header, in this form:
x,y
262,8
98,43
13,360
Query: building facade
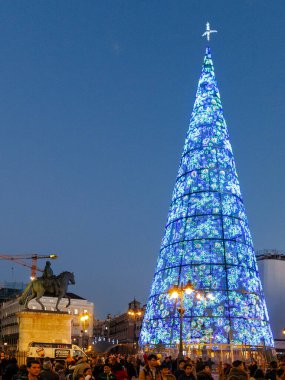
x,y
121,329
271,265
82,321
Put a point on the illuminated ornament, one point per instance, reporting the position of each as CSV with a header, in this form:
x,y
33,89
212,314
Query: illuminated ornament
x,y
207,241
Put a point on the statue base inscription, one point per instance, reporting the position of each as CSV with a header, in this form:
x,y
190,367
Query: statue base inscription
x,y
43,326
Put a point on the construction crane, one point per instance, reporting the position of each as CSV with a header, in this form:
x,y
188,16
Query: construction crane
x,y
20,259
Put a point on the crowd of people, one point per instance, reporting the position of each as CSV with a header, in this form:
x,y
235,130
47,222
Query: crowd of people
x,y
134,367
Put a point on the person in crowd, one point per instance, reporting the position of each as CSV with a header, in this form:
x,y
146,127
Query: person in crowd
x,y
165,373
131,367
280,374
98,368
271,372
188,375
4,361
258,374
199,365
87,373
22,373
151,370
80,366
107,373
205,374
238,371
167,362
209,362
224,370
60,370
93,361
180,370
11,369
70,360
34,369
119,371
252,368
47,372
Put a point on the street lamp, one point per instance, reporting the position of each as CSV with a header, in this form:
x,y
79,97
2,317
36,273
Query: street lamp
x,y
135,312
84,321
283,331
177,292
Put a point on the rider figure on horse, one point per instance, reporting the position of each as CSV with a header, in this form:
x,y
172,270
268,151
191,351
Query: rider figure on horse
x,y
48,272
49,278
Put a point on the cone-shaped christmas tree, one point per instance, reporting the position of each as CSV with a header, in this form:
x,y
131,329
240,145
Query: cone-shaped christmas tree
x,y
207,241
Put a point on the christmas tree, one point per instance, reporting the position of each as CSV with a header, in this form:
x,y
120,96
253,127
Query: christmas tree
x,y
207,241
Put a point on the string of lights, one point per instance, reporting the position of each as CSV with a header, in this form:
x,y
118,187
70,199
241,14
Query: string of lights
x,y
207,241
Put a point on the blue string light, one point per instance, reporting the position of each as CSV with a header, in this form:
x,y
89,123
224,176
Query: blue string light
x,y
207,241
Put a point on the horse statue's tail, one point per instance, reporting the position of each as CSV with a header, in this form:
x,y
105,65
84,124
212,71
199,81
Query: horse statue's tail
x,y
25,294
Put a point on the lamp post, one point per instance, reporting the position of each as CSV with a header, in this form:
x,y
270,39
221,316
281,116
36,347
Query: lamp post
x,y
84,321
135,313
177,292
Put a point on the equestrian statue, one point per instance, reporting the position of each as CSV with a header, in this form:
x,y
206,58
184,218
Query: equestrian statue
x,y
48,285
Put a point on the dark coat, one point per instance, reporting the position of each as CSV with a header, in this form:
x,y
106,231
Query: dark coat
x,y
237,374
185,377
131,369
10,370
271,374
47,374
104,376
178,373
204,376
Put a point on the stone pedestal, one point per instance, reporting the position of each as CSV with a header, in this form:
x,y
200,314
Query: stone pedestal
x,y
43,326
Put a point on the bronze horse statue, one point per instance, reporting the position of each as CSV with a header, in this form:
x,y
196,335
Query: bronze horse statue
x,y
55,286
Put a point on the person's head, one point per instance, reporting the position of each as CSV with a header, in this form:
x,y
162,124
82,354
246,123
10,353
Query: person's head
x,y
58,367
238,364
47,365
113,360
273,364
188,369
87,371
107,368
94,360
206,368
80,377
33,367
280,374
181,364
164,370
152,360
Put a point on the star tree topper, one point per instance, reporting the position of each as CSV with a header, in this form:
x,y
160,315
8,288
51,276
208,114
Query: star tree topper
x,y
208,31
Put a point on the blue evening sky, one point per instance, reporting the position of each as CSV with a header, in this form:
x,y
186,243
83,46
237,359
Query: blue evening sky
x,y
95,100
